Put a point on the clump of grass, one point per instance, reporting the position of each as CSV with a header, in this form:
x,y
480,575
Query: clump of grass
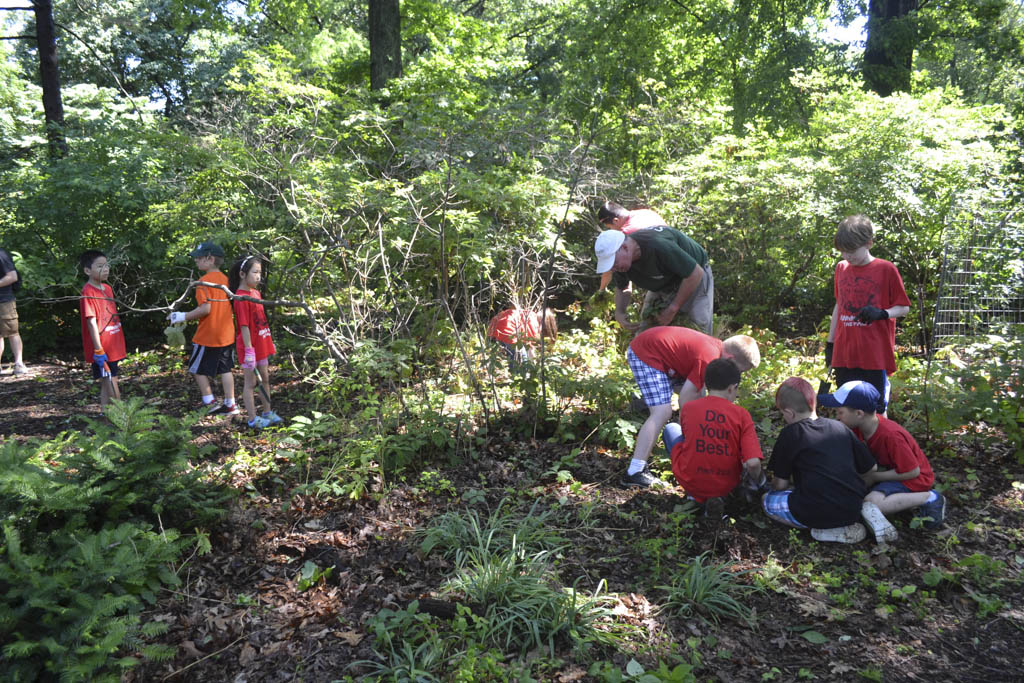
x,y
526,607
711,592
454,531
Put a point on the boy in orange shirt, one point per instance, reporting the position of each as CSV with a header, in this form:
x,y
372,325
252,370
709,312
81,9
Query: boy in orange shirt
x,y
102,337
214,340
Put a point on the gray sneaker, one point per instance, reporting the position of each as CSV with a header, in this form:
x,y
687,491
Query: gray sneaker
x,y
883,530
642,479
854,533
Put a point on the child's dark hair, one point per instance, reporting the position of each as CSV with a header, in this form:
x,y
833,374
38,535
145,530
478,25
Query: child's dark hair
x,y
610,211
240,268
721,374
88,257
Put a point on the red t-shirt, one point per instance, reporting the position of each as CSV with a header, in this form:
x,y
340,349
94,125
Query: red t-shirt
x,y
677,351
859,345
639,219
515,326
894,447
251,314
719,437
99,304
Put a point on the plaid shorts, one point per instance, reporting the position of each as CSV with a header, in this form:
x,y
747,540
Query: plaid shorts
x,y
655,386
776,505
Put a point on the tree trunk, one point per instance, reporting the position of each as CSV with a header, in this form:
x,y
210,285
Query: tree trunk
x,y
889,53
53,107
385,42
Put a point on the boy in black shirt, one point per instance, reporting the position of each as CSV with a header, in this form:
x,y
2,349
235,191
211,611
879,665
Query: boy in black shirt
x,y
818,465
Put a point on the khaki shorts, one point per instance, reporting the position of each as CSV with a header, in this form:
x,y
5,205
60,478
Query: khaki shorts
x,y
8,319
699,309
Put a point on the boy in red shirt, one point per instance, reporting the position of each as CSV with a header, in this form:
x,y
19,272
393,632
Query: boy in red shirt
x,y
869,297
722,446
517,330
908,481
102,337
214,341
667,359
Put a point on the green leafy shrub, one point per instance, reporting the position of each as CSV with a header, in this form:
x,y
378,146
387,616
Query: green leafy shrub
x,y
79,557
978,383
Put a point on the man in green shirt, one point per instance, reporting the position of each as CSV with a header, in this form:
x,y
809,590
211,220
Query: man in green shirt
x,y
672,268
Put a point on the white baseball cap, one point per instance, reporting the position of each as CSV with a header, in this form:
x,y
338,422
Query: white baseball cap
x,y
605,246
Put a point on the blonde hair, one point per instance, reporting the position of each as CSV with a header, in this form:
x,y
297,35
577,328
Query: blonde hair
x,y
854,232
743,351
797,394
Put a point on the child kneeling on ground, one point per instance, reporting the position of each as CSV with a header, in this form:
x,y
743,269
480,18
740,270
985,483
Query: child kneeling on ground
x,y
722,445
907,483
819,467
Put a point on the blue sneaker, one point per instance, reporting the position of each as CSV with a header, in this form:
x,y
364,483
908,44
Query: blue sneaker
x,y
259,422
271,417
935,511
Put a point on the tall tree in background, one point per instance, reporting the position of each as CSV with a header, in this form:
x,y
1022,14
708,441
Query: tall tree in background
x,y
889,52
49,74
385,42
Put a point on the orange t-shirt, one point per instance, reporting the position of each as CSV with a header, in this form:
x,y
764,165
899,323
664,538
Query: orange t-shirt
x,y
217,328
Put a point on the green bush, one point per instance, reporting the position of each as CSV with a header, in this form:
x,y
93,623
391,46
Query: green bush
x,y
79,556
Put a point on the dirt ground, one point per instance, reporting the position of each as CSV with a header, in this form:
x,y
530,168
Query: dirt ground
x,y
238,615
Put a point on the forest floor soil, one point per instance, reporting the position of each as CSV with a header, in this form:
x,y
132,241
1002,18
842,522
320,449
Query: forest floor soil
x,y
239,616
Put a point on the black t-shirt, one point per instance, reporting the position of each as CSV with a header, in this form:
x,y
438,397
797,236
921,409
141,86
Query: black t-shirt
x,y
667,257
6,266
824,460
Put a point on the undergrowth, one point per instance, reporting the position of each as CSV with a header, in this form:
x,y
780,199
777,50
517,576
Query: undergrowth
x,y
88,542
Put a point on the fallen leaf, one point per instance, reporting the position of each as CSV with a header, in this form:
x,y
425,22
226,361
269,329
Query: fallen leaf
x,y
247,655
351,638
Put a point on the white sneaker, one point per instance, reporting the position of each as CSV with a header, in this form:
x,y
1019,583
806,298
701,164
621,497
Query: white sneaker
x,y
883,530
20,369
854,533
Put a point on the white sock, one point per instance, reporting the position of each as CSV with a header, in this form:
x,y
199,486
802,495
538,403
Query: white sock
x,y
933,496
636,465
229,402
207,399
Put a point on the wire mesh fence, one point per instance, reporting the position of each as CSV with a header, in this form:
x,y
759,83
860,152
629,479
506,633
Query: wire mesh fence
x,y
981,290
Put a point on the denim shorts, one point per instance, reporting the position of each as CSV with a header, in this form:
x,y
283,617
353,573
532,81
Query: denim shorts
x,y
890,487
776,504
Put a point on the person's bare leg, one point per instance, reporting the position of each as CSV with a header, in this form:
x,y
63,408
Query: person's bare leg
x,y
16,349
898,502
204,385
247,393
227,380
264,371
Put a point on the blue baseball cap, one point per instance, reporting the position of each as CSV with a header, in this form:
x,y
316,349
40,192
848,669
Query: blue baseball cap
x,y
207,249
858,395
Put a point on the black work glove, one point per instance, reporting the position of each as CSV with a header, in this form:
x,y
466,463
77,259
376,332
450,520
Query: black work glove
x,y
870,314
828,353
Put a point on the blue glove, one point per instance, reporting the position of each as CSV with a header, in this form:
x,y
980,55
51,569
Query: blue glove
x,y
100,358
